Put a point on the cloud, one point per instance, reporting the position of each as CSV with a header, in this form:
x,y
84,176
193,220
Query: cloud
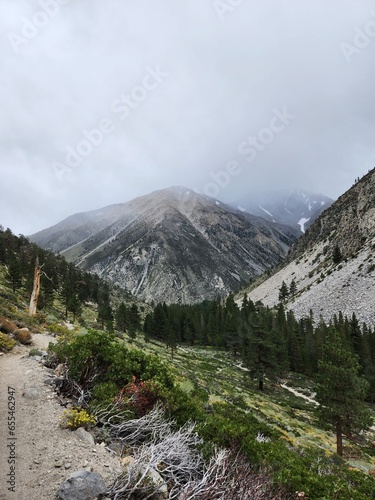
x,y
225,76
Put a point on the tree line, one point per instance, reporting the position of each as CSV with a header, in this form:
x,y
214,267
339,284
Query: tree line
x,y
63,281
269,342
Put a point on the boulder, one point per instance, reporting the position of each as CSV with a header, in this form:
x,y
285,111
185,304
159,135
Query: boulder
x,y
7,326
82,485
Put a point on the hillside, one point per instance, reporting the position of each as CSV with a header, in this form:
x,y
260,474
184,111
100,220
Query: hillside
x,y
324,284
172,245
278,426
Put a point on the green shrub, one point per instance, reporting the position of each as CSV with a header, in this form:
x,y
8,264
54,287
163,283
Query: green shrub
x,y
6,343
97,361
35,352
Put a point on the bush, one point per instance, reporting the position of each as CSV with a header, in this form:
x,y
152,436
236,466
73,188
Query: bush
x,y
23,336
35,352
101,365
6,343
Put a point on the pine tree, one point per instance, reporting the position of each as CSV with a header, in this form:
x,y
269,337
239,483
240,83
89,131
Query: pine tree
x,y
74,306
134,318
122,317
340,390
355,334
283,292
231,319
261,359
336,255
293,288
14,272
105,312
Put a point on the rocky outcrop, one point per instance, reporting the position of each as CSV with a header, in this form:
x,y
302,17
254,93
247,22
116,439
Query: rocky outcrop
x,y
348,223
324,286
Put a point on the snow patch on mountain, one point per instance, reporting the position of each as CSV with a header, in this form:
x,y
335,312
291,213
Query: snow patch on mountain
x,y
266,211
285,206
302,223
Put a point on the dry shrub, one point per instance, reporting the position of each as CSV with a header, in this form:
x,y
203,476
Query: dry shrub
x,y
23,335
6,325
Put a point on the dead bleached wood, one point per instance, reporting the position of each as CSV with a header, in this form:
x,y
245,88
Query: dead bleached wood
x,y
36,289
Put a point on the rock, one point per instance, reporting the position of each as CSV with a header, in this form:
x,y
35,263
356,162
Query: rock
x,y
127,462
85,436
115,448
23,335
31,393
56,381
7,326
82,485
160,484
60,370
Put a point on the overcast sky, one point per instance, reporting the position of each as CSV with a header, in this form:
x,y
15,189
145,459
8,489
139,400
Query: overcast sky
x,y
105,100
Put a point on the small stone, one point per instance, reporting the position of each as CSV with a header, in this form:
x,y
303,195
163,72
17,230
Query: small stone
x,y
127,461
67,465
58,465
36,461
102,444
85,436
115,448
31,393
85,463
106,465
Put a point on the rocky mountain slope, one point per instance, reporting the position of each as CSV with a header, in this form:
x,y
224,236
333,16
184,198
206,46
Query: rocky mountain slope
x,y
173,245
295,208
328,283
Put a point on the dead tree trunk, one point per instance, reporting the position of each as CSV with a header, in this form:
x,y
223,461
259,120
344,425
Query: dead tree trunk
x,y
339,436
36,289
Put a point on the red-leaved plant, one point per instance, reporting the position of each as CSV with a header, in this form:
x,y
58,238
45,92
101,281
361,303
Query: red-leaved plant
x,y
140,396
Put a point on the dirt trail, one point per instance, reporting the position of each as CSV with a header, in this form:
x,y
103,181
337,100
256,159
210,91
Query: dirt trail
x,y
299,394
38,455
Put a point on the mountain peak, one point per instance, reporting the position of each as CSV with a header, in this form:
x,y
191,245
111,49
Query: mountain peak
x,y
295,207
171,245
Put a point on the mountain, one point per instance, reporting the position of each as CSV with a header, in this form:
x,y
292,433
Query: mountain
x,y
172,245
333,263
295,208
